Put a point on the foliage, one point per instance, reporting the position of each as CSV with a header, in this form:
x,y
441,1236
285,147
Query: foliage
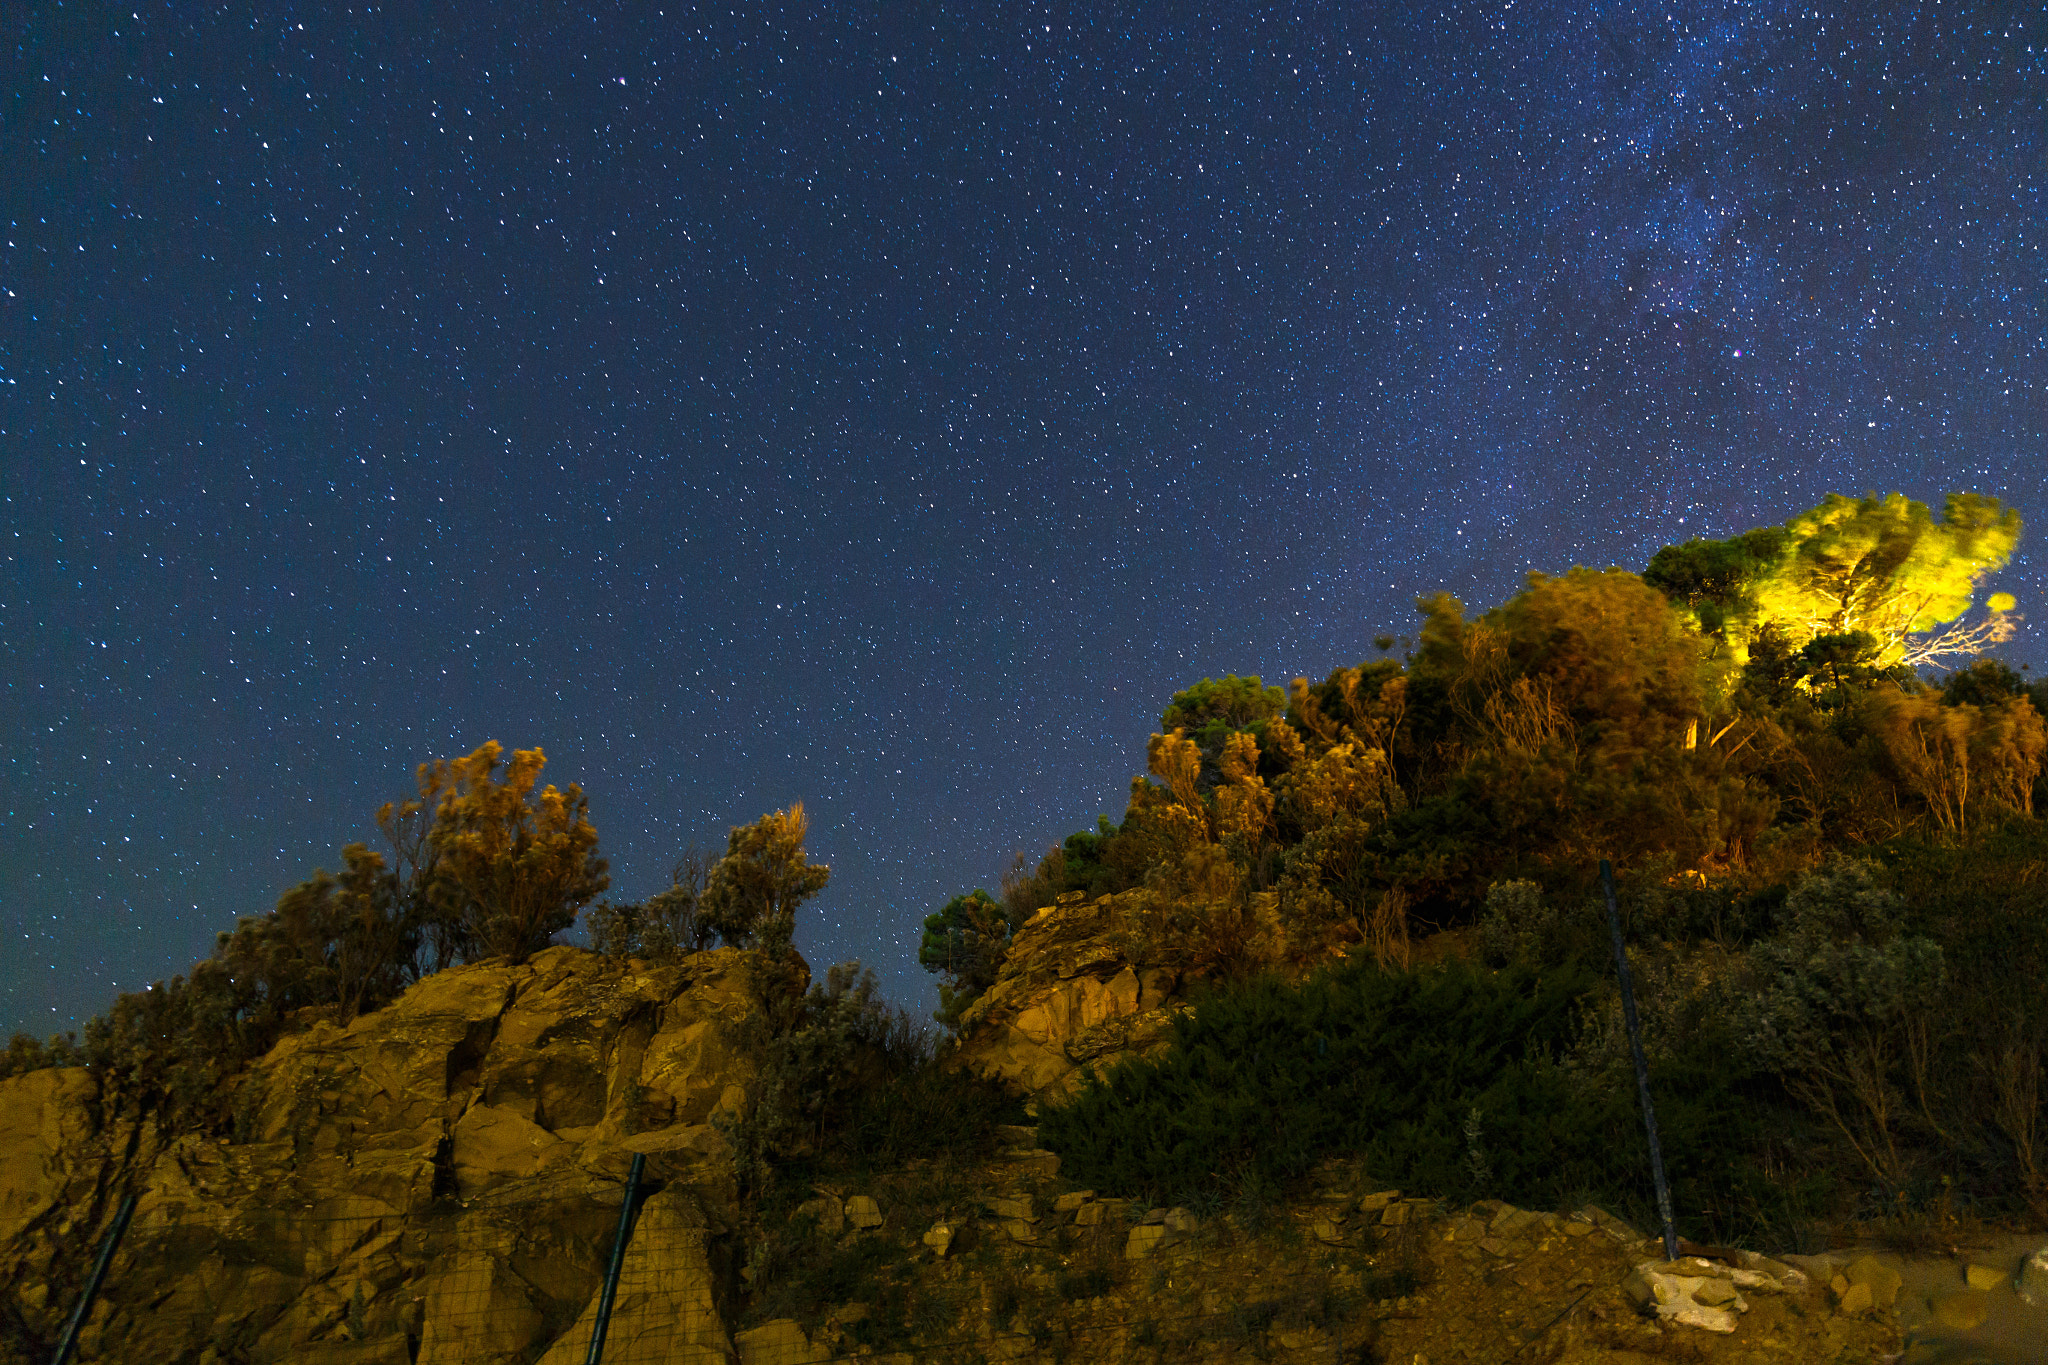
x,y
753,892
342,940
511,867
1266,1079
663,928
843,1077
965,942
1881,567
1213,710
1839,1004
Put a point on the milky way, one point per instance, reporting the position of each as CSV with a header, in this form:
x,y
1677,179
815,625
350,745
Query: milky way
x,y
756,404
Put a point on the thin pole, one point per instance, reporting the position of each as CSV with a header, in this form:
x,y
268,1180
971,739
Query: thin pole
x,y
69,1340
1635,1047
611,1274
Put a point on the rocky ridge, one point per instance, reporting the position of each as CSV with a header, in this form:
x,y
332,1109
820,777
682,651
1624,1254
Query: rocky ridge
x,y
1075,990
468,1142
439,1182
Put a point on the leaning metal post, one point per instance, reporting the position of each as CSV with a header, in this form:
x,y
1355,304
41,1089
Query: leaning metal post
x,y
69,1340
611,1274
1635,1047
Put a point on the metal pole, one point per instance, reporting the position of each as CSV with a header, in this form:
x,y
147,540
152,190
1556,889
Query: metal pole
x,y
1635,1047
611,1274
69,1340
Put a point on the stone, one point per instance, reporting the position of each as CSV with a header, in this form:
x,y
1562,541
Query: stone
x,y
1072,1200
863,1213
1010,1206
1067,997
939,1237
2033,1285
1088,1215
1705,1318
1326,1230
1373,1203
1020,1230
1964,1310
1882,1278
1033,1162
1715,1293
507,1099
827,1214
1180,1222
1854,1298
1394,1215
1984,1276
1145,1239
1708,1302
781,1342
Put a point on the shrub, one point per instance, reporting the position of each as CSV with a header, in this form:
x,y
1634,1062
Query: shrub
x,y
663,928
1265,1080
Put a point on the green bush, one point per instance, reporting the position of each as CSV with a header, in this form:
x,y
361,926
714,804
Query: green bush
x,y
1441,1081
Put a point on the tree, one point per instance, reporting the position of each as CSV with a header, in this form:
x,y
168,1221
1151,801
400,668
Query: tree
x,y
1227,703
1880,566
333,940
510,866
753,892
665,927
965,942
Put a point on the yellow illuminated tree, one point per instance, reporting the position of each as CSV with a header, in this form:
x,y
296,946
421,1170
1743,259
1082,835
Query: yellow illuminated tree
x,y
510,866
1882,567
754,890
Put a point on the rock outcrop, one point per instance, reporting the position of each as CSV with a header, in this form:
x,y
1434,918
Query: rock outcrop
x,y
444,1172
1074,991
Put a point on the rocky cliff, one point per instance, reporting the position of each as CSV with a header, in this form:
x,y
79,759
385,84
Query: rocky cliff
x,y
442,1175
440,1182
1076,990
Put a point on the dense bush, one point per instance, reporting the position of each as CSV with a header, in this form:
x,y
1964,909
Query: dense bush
x,y
844,1079
1442,1081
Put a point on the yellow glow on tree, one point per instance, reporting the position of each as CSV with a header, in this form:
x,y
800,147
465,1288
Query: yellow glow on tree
x,y
511,864
754,890
1882,567
1244,807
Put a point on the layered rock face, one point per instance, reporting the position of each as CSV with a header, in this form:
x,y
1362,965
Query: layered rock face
x,y
442,1177
1074,991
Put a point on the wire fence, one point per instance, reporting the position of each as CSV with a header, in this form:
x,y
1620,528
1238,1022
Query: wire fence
x,y
521,1276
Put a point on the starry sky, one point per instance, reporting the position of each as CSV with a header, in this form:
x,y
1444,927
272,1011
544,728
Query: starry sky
x,y
891,406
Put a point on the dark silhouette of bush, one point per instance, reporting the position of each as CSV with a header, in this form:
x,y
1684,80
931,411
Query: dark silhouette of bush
x,y
1440,1081
665,927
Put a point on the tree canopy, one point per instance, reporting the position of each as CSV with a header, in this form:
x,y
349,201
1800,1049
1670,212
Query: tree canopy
x,y
1884,568
753,892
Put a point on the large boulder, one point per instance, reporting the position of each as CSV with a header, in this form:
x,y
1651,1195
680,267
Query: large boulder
x,y
1074,991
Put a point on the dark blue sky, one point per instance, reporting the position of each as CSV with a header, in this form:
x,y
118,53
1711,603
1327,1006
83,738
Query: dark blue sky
x,y
758,403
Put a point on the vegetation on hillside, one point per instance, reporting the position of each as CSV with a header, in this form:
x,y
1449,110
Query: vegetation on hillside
x,y
1835,886
1835,891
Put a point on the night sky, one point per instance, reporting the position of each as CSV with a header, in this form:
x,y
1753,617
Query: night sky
x,y
755,403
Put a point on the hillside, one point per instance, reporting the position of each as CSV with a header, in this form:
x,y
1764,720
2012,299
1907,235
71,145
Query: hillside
x,y
1319,1050
439,1181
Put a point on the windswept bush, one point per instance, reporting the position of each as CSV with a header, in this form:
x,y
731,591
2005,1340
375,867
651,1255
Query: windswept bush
x,y
665,927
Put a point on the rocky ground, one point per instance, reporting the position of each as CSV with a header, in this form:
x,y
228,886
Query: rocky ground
x,y
1025,1270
